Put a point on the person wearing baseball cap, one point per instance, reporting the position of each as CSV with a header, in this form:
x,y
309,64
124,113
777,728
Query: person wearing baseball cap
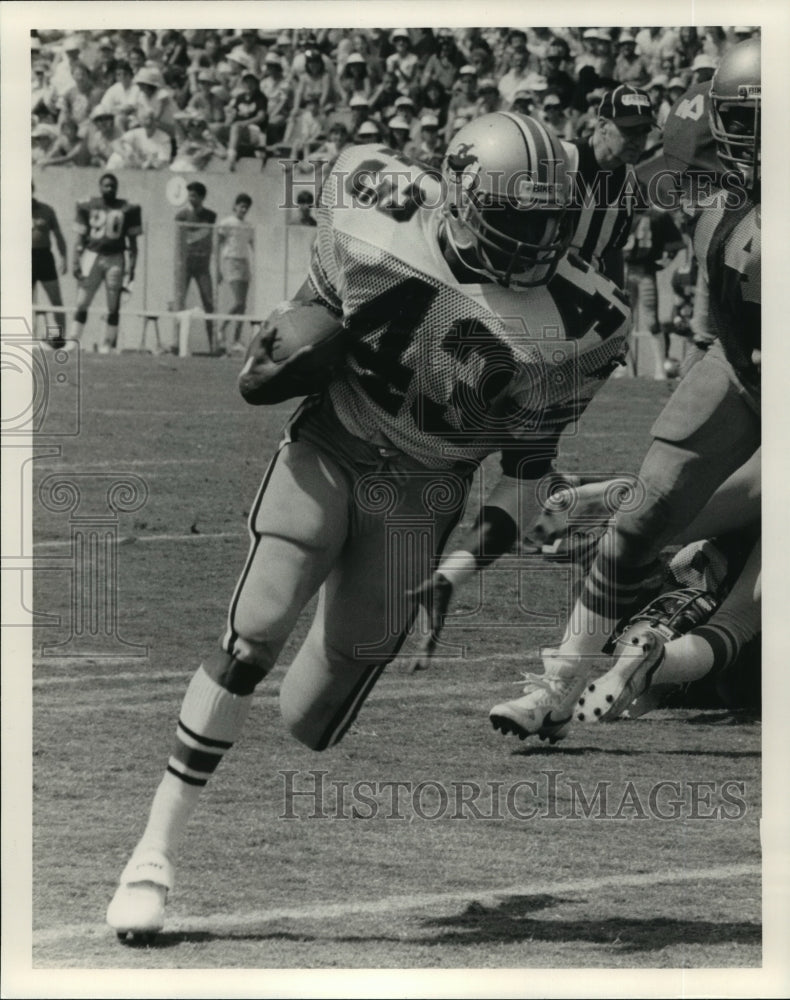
x,y
601,167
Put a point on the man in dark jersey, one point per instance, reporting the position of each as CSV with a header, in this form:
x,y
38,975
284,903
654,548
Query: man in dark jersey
x,y
106,226
709,428
45,226
195,242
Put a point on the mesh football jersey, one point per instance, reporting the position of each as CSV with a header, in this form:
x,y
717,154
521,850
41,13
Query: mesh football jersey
x,y
107,226
447,371
727,247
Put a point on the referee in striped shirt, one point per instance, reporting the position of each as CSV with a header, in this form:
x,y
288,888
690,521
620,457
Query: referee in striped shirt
x,y
604,182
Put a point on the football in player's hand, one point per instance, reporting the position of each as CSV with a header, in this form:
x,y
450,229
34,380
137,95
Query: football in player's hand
x,y
299,324
295,353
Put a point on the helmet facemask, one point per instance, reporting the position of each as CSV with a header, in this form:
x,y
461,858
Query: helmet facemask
x,y
514,244
735,124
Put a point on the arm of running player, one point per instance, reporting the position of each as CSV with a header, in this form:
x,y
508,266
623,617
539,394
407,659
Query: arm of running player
x,y
508,514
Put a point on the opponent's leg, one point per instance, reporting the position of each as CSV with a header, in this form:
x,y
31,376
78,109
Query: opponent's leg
x,y
690,457
299,523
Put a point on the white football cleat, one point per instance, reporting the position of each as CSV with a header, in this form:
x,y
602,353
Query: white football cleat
x,y
546,707
138,907
608,697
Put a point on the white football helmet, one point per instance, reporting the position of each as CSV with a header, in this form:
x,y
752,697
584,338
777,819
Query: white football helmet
x,y
508,198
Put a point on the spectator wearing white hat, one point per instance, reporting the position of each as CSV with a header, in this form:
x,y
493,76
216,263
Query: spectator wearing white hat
x,y
629,66
42,140
404,108
360,112
399,130
403,62
516,77
368,131
43,100
428,148
103,137
155,98
523,102
703,68
206,102
489,99
354,78
463,103
675,89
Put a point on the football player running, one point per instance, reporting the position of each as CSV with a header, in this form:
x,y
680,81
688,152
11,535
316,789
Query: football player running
x,y
462,331
709,428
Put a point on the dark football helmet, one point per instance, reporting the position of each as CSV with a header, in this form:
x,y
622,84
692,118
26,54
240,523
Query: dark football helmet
x,y
735,100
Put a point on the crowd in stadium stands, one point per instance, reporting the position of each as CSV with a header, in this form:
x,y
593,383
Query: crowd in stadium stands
x,y
196,99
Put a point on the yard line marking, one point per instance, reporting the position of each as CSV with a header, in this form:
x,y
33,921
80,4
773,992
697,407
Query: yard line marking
x,y
121,464
134,539
239,921
423,682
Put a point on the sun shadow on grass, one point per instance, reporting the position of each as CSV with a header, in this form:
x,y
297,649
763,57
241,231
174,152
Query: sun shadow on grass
x,y
512,920
565,751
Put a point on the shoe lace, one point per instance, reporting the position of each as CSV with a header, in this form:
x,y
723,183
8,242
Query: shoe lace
x,y
529,679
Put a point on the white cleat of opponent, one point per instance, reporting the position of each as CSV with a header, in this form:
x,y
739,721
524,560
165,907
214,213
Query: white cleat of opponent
x,y
138,907
546,707
611,694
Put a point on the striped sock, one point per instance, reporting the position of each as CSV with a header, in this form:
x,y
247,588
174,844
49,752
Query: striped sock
x,y
210,722
691,656
610,592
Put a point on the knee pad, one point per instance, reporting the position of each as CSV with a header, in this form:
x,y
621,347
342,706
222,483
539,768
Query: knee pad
x,y
80,315
237,676
112,318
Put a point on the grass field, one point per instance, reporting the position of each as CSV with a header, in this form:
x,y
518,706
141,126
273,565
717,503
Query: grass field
x,y
469,867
